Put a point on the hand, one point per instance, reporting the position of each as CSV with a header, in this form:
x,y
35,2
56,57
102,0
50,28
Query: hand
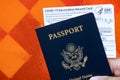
x,y
115,67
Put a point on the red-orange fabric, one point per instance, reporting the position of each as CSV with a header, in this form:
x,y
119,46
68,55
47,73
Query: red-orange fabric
x,y
20,54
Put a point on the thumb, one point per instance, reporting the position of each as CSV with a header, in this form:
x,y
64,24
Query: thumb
x,y
104,78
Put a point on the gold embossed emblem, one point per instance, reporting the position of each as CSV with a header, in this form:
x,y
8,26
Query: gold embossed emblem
x,y
73,57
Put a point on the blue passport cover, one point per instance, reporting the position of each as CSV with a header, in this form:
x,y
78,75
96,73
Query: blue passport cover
x,y
73,49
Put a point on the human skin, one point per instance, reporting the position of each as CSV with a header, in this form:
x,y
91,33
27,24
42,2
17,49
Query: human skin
x,y
115,68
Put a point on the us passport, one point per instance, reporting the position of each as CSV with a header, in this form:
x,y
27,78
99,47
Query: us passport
x,y
73,49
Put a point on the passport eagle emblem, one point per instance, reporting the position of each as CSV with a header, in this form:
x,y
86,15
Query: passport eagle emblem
x,y
73,57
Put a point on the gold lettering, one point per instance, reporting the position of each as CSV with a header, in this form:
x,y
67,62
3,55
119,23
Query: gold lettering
x,y
86,76
66,32
50,36
82,77
59,34
62,33
81,28
55,36
71,30
76,29
79,78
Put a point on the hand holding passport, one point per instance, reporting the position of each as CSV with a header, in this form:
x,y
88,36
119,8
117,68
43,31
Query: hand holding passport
x,y
115,67
73,49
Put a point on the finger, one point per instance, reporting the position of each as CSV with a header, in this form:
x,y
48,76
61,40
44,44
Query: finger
x,y
104,78
115,66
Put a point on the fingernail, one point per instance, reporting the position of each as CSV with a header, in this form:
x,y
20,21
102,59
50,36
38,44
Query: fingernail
x,y
94,78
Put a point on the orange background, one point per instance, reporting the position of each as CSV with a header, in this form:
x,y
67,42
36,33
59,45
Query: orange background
x,y
20,54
